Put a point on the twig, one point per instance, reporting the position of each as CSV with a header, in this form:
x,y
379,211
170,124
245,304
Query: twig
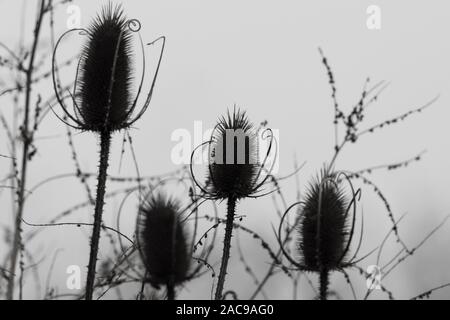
x,y
17,242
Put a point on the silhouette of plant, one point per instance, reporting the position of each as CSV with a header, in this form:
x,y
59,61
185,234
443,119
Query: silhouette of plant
x,y
234,173
175,237
326,225
102,97
163,243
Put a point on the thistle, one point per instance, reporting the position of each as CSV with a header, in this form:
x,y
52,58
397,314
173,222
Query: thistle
x,y
234,173
104,88
102,97
233,168
325,228
324,216
163,243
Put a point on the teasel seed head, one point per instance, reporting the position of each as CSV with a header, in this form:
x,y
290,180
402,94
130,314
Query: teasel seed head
x,y
103,89
233,164
324,225
163,241
103,99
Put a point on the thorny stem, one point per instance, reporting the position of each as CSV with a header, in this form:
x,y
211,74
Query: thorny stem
x,y
324,282
226,247
25,156
170,291
105,142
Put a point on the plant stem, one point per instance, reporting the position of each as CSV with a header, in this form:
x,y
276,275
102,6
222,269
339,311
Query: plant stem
x,y
324,282
226,247
27,141
170,291
105,143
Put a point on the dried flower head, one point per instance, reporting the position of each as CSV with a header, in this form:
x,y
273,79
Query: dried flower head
x,y
162,241
325,228
324,225
103,95
103,89
234,168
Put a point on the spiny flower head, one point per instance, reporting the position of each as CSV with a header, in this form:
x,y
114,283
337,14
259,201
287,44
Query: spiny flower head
x,y
103,98
233,168
105,75
324,226
163,241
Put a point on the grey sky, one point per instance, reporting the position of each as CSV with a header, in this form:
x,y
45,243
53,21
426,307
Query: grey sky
x,y
263,56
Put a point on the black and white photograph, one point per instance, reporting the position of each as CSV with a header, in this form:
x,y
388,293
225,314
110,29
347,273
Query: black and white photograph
x,y
233,153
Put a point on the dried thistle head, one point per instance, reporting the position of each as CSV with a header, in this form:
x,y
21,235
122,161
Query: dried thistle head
x,y
103,98
234,169
324,225
162,241
103,89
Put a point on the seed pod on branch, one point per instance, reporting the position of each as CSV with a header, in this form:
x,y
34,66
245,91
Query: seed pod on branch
x,y
163,243
326,225
102,97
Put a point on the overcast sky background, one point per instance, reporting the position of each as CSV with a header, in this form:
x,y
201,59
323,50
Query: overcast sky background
x,y
263,56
